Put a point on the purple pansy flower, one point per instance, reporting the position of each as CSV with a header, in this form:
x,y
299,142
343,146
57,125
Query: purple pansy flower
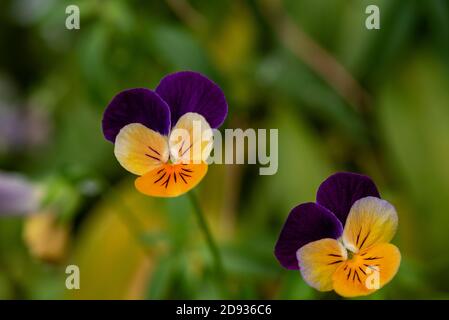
x,y
142,124
324,219
343,238
177,94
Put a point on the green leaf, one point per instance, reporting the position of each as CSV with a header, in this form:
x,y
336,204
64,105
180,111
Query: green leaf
x,y
414,119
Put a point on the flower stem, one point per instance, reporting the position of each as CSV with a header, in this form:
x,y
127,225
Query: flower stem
x,y
208,235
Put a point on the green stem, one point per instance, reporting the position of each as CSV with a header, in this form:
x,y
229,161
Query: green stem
x,y
208,235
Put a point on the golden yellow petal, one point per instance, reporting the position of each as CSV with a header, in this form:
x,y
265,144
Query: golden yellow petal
x,y
318,261
370,221
171,180
367,271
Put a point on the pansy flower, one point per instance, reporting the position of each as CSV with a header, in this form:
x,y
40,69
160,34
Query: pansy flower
x,y
355,260
147,129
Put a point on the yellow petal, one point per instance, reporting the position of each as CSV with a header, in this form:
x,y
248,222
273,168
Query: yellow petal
x,y
191,139
46,239
367,271
171,180
139,149
370,221
318,261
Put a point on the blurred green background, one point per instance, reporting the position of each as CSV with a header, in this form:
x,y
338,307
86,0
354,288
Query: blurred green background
x,y
343,98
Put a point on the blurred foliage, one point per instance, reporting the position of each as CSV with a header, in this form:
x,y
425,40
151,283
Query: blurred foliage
x,y
130,246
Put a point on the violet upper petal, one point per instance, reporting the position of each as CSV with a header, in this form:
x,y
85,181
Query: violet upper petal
x,y
189,91
138,105
339,192
306,223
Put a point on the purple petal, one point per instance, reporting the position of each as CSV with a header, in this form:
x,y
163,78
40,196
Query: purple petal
x,y
17,195
339,192
189,91
306,223
138,105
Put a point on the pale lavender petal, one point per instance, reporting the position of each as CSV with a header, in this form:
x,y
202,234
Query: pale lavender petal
x,y
17,195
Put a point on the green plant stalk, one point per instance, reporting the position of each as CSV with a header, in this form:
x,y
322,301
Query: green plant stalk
x,y
213,248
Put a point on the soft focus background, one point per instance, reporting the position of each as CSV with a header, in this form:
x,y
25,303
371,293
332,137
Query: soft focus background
x,y
343,98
